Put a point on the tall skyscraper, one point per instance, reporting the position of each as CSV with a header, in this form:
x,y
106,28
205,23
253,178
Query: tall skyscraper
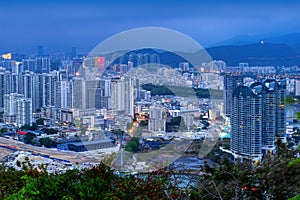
x,y
257,118
12,82
48,89
79,93
100,96
100,64
246,123
280,90
2,89
297,88
76,65
10,107
91,94
42,65
29,64
231,82
61,94
122,95
29,86
24,112
10,100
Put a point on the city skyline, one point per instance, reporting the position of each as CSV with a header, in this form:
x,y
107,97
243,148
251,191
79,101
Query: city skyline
x,y
58,26
174,99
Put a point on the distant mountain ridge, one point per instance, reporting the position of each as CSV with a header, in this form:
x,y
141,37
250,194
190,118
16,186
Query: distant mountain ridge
x,y
257,54
290,39
281,50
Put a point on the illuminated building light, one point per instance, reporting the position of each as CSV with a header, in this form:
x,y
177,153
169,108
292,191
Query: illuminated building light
x,y
100,63
7,56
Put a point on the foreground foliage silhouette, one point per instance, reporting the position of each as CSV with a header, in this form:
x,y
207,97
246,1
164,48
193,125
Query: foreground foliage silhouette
x,y
98,182
276,177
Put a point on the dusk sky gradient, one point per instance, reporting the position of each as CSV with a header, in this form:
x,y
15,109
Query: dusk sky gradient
x,y
59,25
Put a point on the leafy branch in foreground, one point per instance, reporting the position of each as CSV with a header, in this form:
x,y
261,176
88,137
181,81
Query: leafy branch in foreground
x,y
276,177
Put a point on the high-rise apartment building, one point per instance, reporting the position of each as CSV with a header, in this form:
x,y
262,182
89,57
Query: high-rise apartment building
x,y
297,88
48,90
29,64
10,107
10,100
157,119
62,94
44,90
231,82
38,65
257,118
24,112
246,123
79,93
122,95
2,90
29,86
91,94
9,83
76,65
42,65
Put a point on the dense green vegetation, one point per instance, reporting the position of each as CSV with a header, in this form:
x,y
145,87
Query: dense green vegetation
x,y
132,145
292,99
47,142
182,91
40,121
50,131
29,138
99,182
276,177
3,130
34,127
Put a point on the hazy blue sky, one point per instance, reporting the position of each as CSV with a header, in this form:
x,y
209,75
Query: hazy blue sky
x,y
59,25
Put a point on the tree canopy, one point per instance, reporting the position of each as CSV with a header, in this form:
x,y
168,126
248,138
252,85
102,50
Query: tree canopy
x,y
276,177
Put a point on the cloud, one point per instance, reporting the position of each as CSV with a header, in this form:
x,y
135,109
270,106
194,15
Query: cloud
x,y
86,22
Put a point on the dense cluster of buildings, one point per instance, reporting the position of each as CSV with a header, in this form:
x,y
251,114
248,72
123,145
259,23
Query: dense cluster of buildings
x,y
98,93
69,89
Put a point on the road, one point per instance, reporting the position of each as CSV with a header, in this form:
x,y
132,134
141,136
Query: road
x,y
73,157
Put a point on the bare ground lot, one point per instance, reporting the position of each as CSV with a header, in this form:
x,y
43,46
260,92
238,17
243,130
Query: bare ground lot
x,y
4,152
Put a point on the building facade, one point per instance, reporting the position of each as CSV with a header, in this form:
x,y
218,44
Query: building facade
x,y
257,118
24,112
230,84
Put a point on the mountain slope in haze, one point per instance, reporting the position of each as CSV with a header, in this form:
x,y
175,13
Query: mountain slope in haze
x,y
266,54
257,54
289,39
